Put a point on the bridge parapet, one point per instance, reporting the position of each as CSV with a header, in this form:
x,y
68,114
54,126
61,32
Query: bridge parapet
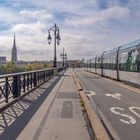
x,y
15,85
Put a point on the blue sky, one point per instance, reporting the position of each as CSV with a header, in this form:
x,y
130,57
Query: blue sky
x,y
87,27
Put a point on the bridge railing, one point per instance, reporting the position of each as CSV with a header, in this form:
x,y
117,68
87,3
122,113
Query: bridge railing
x,y
14,85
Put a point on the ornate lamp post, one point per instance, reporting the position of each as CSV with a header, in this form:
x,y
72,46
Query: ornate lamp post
x,y
63,57
57,39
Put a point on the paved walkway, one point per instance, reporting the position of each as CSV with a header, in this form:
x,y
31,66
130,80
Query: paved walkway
x,y
60,116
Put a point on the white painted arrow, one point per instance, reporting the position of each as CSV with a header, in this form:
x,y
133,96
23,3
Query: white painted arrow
x,y
116,95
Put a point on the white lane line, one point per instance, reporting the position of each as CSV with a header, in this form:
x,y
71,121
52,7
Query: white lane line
x,y
112,109
115,111
132,110
132,120
116,95
108,124
90,93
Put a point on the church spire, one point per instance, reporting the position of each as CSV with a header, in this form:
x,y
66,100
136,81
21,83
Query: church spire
x,y
14,51
14,41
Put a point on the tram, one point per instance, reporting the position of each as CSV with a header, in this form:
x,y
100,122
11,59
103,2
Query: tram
x,y
121,63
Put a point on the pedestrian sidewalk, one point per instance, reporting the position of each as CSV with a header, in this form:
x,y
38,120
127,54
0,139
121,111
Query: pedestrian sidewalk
x,y
60,116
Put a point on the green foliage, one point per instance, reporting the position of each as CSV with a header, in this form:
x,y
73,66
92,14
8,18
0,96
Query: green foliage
x,y
11,67
45,65
2,69
49,66
35,66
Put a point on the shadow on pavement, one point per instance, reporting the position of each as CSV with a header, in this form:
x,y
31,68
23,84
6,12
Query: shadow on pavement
x,y
15,118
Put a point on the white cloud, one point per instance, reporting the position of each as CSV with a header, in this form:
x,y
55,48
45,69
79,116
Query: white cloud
x,y
31,28
115,12
80,7
37,15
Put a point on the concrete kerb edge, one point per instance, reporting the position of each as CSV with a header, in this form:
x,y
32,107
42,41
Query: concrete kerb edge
x,y
77,82
97,126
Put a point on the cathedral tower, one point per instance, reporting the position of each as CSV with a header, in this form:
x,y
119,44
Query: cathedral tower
x,y
14,51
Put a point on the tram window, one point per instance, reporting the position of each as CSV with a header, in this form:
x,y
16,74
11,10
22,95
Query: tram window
x,y
138,59
93,63
108,62
99,63
113,62
133,62
105,62
130,60
123,57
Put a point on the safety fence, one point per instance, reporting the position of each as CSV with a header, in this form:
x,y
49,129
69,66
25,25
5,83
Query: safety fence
x,y
15,85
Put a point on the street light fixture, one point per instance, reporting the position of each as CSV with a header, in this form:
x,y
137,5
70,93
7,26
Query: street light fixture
x,y
57,40
49,39
63,57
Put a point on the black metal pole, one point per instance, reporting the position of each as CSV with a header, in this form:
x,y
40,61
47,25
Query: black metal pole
x,y
55,61
57,39
63,57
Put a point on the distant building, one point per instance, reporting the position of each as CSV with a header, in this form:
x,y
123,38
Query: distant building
x,y
73,63
3,59
14,51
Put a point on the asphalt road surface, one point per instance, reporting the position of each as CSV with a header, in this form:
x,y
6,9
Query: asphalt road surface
x,y
118,107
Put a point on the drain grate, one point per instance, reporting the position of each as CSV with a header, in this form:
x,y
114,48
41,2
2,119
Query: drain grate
x,y
67,110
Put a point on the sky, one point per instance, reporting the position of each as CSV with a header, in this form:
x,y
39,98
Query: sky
x,y
87,27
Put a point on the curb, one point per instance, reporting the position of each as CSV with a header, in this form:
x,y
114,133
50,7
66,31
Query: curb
x,y
97,126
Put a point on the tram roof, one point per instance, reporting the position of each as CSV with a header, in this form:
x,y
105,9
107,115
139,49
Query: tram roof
x,y
131,44
111,51
128,45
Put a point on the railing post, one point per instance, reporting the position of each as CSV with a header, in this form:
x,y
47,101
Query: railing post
x,y
31,80
28,82
34,79
24,83
16,86
37,74
6,90
49,73
52,73
44,76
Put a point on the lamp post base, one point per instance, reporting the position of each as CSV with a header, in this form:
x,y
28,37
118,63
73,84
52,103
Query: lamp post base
x,y
55,71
